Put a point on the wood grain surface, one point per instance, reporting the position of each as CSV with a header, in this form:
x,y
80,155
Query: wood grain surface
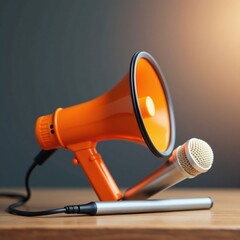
x,y
221,222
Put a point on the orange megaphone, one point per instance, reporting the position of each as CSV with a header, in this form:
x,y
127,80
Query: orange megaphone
x,y
138,109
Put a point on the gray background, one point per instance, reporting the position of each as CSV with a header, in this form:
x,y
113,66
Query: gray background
x,y
61,53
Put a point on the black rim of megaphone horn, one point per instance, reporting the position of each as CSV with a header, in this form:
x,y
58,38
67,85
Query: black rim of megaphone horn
x,y
141,125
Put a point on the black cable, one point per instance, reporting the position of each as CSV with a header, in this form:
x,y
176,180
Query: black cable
x,y
11,195
24,199
38,160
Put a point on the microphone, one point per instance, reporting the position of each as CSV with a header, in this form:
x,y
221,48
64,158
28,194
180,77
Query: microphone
x,y
187,161
140,206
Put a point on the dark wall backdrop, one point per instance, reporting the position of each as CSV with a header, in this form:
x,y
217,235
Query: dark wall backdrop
x,y
61,53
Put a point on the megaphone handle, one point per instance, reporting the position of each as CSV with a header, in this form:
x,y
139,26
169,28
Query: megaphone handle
x,y
97,173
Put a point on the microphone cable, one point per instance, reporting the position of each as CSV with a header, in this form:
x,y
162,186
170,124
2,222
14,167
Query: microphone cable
x,y
38,160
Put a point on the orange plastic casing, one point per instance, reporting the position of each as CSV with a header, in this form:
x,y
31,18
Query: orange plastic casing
x,y
111,116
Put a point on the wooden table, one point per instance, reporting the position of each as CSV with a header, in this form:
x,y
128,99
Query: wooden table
x,y
221,222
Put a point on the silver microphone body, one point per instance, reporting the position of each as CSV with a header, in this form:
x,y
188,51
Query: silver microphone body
x,y
187,161
147,206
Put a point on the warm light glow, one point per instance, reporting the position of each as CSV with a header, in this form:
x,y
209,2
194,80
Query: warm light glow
x,y
147,107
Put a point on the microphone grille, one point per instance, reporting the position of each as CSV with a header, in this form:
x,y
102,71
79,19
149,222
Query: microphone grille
x,y
200,152
195,156
184,162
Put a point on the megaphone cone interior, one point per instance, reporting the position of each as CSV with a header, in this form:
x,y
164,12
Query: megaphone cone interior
x,y
138,109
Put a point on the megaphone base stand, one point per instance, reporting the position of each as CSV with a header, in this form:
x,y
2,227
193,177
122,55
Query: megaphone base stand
x,y
96,171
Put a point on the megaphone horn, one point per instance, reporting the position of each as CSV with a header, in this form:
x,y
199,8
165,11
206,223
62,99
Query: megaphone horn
x,y
137,109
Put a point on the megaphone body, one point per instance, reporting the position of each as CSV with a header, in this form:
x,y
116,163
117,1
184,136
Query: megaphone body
x,y
138,109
